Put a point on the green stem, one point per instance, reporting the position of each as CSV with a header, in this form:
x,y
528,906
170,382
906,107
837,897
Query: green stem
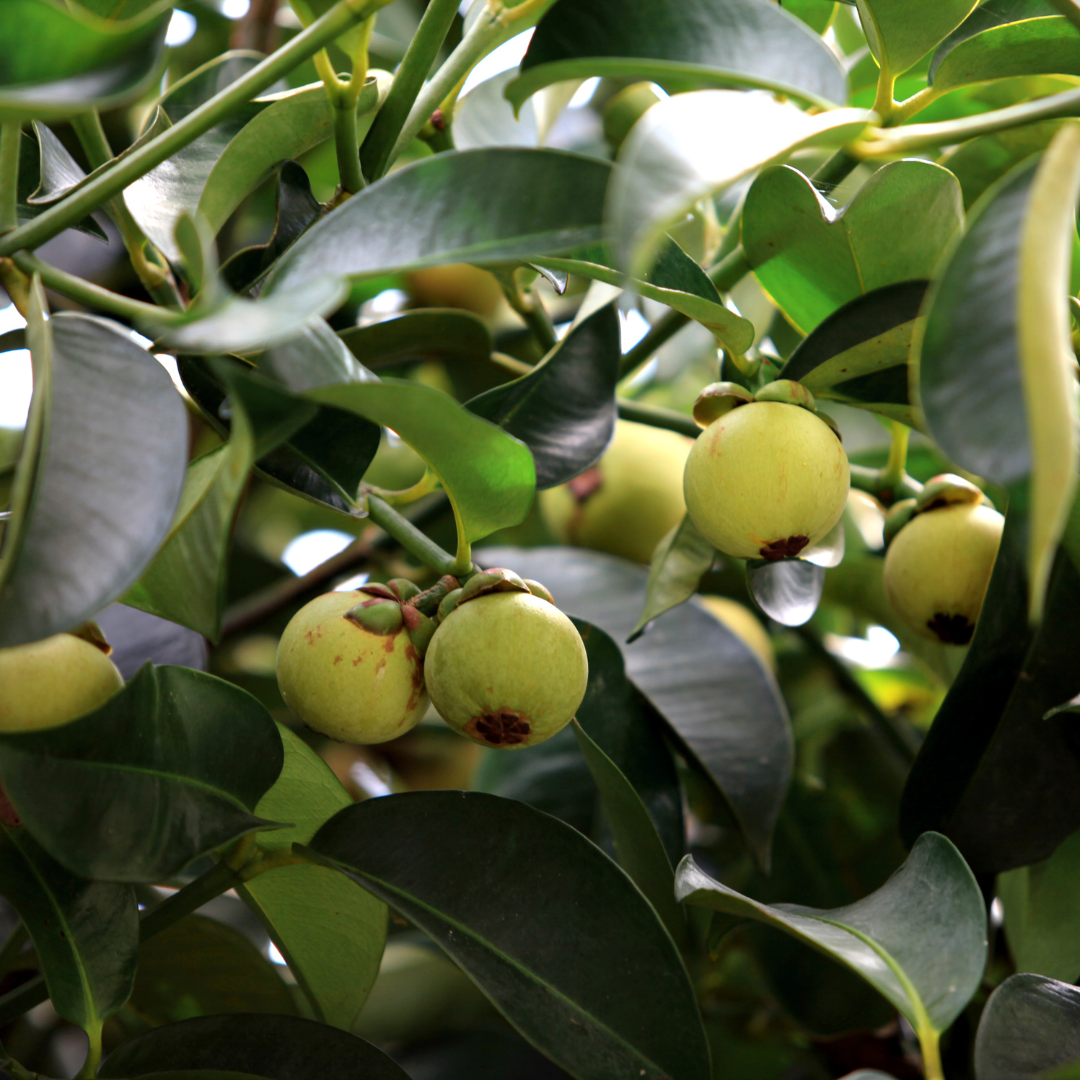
x,y
895,142
125,170
153,275
93,1054
94,296
836,169
658,417
883,100
893,472
408,82
9,954
347,144
473,45
529,306
412,539
10,144
914,104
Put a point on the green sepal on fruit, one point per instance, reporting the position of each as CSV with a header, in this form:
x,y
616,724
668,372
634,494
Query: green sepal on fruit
x,y
629,501
348,663
506,667
941,552
51,682
766,478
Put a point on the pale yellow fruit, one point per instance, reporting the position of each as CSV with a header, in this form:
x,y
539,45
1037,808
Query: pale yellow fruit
x,y
508,670
629,501
938,566
766,480
345,680
742,622
52,681
456,285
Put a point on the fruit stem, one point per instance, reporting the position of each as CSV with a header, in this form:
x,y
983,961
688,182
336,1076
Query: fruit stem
x,y
658,417
10,144
893,472
413,540
529,306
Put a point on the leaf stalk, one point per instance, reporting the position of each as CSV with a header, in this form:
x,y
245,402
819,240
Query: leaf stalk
x,y
10,145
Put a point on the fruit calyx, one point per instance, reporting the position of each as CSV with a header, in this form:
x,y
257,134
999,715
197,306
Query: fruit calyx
x,y
940,492
718,399
787,392
400,603
486,582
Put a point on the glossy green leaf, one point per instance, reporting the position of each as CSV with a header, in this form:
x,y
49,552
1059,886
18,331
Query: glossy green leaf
x,y
1046,46
668,162
564,409
488,475
920,940
429,334
31,163
201,967
638,847
186,580
990,757
994,361
330,931
113,443
981,162
168,769
1041,920
56,59
292,123
899,32
858,355
813,258
483,117
594,1003
1029,1028
788,591
690,45
445,209
86,933
274,1047
817,14
681,558
674,279
721,705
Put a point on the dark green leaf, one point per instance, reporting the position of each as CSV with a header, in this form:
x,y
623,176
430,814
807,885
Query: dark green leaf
x,y
167,770
275,1047
813,258
689,45
994,359
920,940
681,559
564,409
602,990
114,437
29,182
788,591
858,355
637,845
488,475
674,279
989,759
445,209
430,334
667,164
56,60
200,967
1041,917
981,162
1030,1026
330,931
86,933
719,702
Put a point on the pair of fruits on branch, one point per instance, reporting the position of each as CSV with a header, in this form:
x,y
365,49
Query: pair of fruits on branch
x,y
499,661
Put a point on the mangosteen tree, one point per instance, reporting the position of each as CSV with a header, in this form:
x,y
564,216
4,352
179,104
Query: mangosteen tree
x,y
539,538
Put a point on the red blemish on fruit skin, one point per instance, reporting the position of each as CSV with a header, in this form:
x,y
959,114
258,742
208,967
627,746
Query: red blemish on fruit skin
x,y
388,644
584,485
8,815
338,659
380,665
358,660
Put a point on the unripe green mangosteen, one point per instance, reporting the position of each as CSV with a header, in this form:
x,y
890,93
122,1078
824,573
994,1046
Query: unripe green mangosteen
x,y
628,502
507,669
938,566
49,682
766,480
358,682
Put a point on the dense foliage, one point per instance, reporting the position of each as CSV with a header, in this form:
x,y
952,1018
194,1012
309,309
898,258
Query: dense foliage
x,y
682,407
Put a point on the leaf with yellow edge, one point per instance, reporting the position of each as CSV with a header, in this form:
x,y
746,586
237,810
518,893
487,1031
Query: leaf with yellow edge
x,y
992,367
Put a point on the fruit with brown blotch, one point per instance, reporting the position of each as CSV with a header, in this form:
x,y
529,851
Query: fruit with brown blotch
x,y
50,682
356,679
629,501
766,480
507,669
938,566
